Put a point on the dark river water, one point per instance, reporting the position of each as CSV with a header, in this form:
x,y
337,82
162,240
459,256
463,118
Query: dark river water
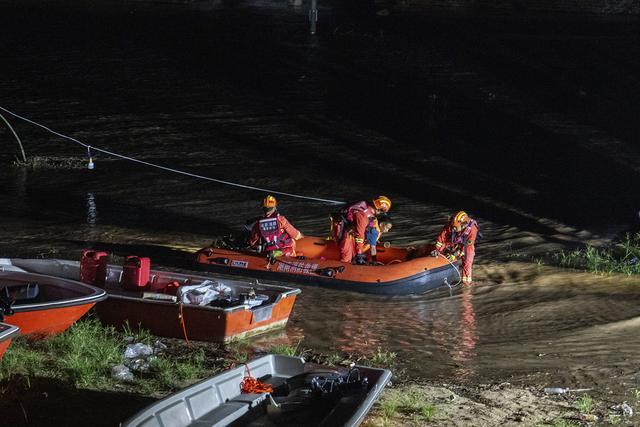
x,y
531,125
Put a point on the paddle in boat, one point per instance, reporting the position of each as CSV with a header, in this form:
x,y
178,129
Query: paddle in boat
x,y
272,390
172,304
399,271
43,305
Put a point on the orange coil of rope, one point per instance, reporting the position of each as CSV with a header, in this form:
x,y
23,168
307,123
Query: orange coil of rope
x,y
253,385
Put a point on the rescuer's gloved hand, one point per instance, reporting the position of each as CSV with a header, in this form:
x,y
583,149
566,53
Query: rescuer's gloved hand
x,y
451,257
360,259
434,253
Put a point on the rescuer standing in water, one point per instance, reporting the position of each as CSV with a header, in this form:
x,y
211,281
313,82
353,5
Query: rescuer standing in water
x,y
457,241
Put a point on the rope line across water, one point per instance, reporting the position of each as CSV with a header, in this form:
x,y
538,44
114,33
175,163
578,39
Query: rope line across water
x,y
178,171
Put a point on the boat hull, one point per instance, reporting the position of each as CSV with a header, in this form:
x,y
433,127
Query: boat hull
x,y
56,305
200,323
163,316
399,275
218,400
48,321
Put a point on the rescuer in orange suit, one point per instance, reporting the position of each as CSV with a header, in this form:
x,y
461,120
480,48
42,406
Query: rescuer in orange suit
x,y
350,225
457,241
272,233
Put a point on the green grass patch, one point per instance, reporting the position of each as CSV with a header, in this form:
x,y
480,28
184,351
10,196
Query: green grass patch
x,y
614,419
84,355
383,358
172,373
389,408
400,406
86,352
584,404
618,257
285,349
21,360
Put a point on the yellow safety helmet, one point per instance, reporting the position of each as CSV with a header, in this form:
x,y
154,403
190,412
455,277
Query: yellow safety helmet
x,y
269,202
382,203
459,219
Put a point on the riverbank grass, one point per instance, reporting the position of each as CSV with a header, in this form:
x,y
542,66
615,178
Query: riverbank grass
x,y
286,349
84,355
402,407
618,257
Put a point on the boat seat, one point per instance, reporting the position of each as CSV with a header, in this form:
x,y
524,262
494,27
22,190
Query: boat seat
x,y
230,411
223,415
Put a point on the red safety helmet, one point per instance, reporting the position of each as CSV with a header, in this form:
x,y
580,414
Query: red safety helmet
x,y
269,202
382,203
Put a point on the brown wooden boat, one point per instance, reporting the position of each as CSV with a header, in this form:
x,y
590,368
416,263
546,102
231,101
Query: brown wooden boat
x,y
156,308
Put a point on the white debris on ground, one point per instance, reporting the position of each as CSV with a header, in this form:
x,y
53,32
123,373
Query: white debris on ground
x,y
137,358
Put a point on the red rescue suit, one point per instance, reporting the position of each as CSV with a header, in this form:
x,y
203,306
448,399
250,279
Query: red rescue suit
x,y
357,218
460,245
275,233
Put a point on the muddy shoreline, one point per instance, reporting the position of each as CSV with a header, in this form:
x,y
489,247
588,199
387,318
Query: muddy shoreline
x,y
474,387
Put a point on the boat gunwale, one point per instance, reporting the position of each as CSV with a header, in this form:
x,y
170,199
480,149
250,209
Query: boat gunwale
x,y
95,296
8,333
282,291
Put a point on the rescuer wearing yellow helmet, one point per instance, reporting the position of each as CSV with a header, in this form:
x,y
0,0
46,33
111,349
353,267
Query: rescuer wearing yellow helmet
x,y
457,241
349,225
272,233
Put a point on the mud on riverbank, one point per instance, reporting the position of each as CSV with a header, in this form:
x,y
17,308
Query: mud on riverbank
x,y
499,404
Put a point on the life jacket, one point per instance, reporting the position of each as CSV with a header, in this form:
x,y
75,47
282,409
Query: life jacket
x,y
348,212
273,237
459,240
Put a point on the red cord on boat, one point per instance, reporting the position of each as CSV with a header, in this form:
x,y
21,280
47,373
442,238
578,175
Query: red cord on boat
x,y
253,385
184,327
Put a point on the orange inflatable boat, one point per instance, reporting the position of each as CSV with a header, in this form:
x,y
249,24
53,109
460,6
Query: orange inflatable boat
x,y
400,271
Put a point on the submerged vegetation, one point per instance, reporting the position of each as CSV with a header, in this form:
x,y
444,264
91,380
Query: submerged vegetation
x,y
51,162
619,257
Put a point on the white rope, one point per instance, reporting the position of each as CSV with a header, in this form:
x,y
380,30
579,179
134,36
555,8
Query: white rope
x,y
132,159
454,267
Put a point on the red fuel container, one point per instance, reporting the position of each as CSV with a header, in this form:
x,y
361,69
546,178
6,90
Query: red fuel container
x,y
135,273
93,267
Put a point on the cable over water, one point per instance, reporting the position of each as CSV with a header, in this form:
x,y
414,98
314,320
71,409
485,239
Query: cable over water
x,y
168,169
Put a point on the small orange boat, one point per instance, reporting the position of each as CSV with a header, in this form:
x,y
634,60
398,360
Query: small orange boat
x,y
7,333
399,271
250,309
45,305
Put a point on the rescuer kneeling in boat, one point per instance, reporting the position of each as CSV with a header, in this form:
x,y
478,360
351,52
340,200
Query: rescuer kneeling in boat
x,y
272,234
457,240
349,225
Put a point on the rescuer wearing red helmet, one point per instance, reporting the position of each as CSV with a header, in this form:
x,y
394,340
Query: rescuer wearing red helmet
x,y
457,240
272,233
349,225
